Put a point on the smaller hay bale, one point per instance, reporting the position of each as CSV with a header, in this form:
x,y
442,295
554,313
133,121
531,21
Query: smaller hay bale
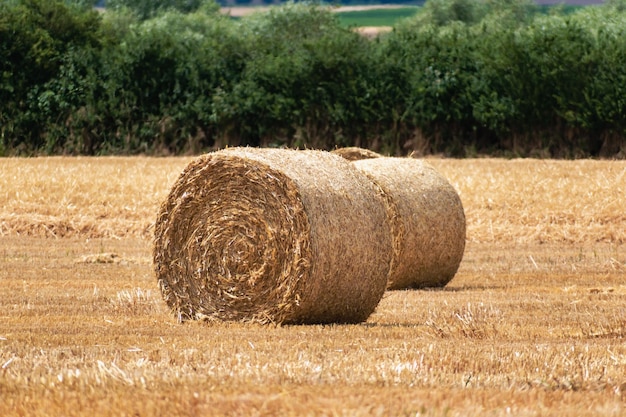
x,y
427,221
354,153
272,236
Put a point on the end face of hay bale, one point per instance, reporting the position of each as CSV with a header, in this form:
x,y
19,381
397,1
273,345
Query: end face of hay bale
x,y
427,221
354,153
268,236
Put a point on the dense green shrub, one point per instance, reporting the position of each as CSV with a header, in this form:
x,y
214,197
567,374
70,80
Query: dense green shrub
x,y
148,88
146,9
160,79
601,109
35,36
303,83
512,81
460,77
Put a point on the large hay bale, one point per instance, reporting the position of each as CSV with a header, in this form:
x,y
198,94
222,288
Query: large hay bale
x,y
271,235
427,221
354,153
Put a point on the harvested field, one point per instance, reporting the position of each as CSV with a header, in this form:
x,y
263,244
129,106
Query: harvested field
x,y
534,322
522,200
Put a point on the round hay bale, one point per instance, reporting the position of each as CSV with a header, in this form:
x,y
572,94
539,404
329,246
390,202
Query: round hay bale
x,y
272,236
427,221
354,153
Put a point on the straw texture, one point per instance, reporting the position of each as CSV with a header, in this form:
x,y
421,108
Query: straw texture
x,y
272,236
354,153
427,221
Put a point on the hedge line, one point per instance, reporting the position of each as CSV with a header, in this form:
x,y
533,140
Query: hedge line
x,y
462,77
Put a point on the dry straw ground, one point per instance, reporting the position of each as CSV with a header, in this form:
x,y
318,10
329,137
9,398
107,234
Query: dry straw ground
x,y
534,323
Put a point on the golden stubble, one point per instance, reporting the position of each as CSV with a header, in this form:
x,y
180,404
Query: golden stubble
x,y
92,197
534,322
523,201
540,201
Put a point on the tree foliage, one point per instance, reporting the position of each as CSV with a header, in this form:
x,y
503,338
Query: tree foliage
x,y
303,82
35,37
146,9
461,77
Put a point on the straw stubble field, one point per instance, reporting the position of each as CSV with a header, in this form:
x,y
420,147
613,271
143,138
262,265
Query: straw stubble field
x,y
534,323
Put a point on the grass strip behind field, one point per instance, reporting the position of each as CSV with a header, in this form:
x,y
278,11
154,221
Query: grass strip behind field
x,y
376,17
388,17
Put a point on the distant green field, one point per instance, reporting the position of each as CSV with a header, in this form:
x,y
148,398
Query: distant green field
x,y
376,17
390,17
559,8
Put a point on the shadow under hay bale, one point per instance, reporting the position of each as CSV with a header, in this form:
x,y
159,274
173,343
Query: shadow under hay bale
x,y
354,153
272,236
427,221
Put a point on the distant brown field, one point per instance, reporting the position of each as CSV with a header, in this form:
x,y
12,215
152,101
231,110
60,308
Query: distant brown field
x,y
534,323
